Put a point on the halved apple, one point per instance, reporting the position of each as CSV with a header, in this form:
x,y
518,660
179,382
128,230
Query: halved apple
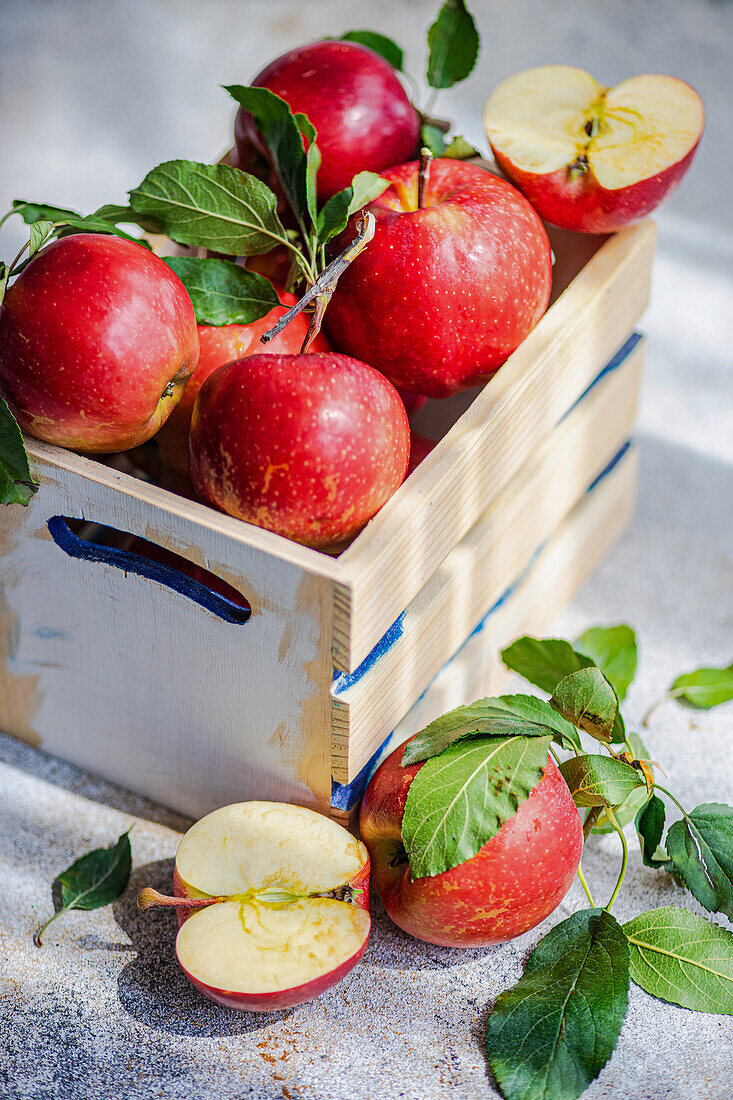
x,y
589,158
272,901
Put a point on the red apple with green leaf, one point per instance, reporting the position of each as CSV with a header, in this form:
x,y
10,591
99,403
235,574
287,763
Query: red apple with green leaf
x,y
224,344
590,158
489,892
272,903
97,341
457,275
363,117
309,446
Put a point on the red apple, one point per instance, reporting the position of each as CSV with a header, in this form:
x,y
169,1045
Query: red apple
x,y
272,904
590,158
444,293
309,446
97,341
512,884
362,114
223,345
413,402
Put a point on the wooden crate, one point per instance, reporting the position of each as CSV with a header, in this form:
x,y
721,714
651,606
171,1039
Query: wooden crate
x,y
142,676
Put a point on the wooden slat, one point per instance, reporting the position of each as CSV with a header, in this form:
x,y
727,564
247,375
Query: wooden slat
x,y
405,543
559,572
476,572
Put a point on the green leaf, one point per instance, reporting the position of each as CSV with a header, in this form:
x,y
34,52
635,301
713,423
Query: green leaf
x,y
681,957
453,44
460,799
432,138
378,43
223,293
599,780
211,206
39,233
587,700
16,482
282,136
485,716
332,219
91,224
544,661
553,1032
94,880
613,648
649,824
460,149
4,276
312,164
629,808
704,688
540,711
32,212
700,848
125,214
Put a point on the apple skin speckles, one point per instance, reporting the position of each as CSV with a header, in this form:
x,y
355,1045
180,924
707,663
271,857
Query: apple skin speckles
x,y
444,294
309,446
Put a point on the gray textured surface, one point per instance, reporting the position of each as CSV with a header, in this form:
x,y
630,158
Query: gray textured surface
x,y
93,93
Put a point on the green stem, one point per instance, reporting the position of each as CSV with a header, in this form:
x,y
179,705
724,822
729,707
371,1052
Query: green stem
x,y
628,744
554,755
37,935
672,694
585,886
624,859
664,790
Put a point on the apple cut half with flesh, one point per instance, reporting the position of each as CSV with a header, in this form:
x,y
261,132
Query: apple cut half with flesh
x,y
589,158
272,902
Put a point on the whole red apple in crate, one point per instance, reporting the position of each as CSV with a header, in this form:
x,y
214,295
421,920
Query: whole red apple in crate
x,y
97,340
224,344
590,158
363,117
278,905
309,446
447,290
514,881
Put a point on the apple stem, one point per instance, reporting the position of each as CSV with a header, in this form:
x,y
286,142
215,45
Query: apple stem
x,y
422,180
322,289
152,899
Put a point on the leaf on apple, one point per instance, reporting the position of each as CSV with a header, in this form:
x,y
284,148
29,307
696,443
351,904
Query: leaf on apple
x,y
505,715
600,780
16,481
378,43
211,206
681,957
223,293
460,799
283,138
614,651
700,849
460,149
453,45
553,1032
649,823
335,213
94,880
704,688
587,700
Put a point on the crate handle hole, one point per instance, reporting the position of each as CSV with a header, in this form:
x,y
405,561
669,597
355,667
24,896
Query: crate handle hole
x,y
96,542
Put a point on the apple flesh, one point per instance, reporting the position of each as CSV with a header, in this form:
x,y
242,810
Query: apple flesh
x,y
97,341
515,880
363,117
589,158
444,293
271,937
224,344
309,446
